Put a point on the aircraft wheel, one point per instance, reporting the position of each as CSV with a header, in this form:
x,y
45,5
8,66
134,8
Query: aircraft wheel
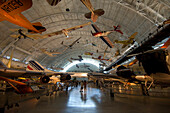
x,y
38,98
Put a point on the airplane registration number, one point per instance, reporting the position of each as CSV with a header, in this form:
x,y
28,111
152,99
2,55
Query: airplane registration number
x,y
12,5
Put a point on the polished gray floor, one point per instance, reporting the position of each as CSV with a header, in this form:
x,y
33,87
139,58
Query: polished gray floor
x,y
93,100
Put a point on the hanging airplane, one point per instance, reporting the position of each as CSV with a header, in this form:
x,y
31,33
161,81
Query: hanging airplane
x,y
117,29
70,60
11,12
23,34
65,31
105,33
100,58
104,38
93,14
71,45
90,69
77,66
79,59
127,42
51,54
88,53
84,66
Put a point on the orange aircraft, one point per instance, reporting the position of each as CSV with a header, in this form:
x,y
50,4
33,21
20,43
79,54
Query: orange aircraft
x,y
93,14
11,12
21,88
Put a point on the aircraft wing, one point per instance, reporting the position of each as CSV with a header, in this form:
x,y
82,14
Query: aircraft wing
x,y
12,81
107,41
12,7
77,27
14,36
87,3
104,75
121,42
105,52
133,35
52,34
96,28
74,42
120,31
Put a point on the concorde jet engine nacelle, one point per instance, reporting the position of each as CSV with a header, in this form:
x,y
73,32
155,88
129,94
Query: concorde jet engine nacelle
x,y
44,79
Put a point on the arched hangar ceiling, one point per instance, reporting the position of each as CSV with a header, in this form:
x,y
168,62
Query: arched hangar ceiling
x,y
142,16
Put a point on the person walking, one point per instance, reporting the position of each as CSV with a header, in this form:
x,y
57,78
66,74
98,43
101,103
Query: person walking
x,y
81,88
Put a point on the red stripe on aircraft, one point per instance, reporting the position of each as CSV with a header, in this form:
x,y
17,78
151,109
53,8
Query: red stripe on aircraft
x,y
29,68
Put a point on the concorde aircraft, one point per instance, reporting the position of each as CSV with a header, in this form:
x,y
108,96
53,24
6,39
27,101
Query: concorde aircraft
x,y
11,12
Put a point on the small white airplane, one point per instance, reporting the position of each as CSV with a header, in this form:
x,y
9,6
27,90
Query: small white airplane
x,y
79,59
65,31
51,54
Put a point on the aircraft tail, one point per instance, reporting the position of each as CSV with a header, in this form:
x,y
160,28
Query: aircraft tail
x,y
34,66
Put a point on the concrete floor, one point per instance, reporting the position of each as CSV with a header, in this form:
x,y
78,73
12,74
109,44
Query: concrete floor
x,y
93,100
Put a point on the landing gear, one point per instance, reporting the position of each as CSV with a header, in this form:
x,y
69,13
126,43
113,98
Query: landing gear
x,y
37,98
144,90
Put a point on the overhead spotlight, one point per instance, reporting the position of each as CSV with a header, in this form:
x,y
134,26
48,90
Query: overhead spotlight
x,y
67,9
